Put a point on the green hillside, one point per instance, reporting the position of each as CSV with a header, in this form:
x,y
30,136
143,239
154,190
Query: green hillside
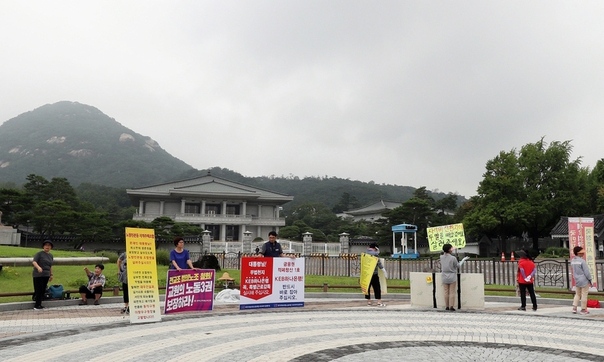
x,y
82,144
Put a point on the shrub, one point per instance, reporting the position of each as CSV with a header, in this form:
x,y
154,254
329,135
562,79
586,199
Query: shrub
x,y
555,252
112,255
162,257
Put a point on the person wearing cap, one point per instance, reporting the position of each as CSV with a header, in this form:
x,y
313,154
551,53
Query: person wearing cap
x,y
526,278
94,288
375,279
42,273
582,278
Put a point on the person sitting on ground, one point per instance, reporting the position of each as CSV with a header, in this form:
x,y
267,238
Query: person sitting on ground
x,y
96,282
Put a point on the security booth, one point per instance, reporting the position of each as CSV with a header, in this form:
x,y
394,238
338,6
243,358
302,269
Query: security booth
x,y
408,234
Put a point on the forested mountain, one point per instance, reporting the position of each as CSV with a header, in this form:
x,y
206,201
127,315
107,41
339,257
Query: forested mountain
x,y
83,145
328,191
80,143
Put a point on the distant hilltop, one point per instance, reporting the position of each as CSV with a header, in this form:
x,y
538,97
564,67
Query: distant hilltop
x,y
81,143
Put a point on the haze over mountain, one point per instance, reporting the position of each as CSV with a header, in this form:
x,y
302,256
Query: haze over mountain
x,y
82,144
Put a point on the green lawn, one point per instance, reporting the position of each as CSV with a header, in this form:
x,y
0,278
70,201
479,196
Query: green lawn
x,y
21,252
18,279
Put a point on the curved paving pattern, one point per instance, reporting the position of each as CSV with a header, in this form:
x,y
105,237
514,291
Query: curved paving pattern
x,y
348,334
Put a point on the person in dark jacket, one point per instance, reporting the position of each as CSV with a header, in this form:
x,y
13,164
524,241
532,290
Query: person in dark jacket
x,y
272,248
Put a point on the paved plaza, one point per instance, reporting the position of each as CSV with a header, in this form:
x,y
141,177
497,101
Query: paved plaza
x,y
326,329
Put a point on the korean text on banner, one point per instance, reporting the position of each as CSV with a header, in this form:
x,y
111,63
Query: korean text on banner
x,y
368,263
447,234
142,276
189,290
581,233
271,283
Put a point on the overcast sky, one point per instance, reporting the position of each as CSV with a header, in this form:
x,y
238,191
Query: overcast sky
x,y
413,93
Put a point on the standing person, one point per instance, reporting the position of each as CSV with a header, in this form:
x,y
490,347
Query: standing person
x,y
179,257
526,278
122,276
94,288
272,248
375,279
449,266
582,278
42,272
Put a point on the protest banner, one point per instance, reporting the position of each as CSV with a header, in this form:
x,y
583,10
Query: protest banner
x,y
271,283
581,233
142,276
446,234
189,290
368,263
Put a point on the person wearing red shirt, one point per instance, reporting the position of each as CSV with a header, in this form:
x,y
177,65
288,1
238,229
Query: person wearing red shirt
x,y
526,278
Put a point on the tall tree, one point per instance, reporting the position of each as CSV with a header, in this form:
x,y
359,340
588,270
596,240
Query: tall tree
x,y
347,202
528,191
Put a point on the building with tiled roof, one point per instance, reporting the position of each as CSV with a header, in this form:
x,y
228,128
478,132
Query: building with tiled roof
x,y
371,212
560,231
225,208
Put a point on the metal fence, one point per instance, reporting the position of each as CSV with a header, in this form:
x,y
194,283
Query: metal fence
x,y
553,273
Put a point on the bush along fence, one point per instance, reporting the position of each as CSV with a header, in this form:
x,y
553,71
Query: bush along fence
x,y
551,273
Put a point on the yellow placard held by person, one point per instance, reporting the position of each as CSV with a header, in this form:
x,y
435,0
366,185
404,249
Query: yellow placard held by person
x,y
368,263
446,234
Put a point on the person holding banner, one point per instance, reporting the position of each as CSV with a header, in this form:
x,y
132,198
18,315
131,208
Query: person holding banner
x,y
179,257
375,278
449,267
582,278
122,277
272,248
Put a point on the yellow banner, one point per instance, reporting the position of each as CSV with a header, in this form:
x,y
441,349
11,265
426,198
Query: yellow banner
x,y
447,234
368,263
142,276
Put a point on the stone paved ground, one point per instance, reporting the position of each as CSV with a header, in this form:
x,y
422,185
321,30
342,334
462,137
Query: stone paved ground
x,y
324,330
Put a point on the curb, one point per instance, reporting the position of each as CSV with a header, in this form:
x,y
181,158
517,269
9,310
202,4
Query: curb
x,y
6,307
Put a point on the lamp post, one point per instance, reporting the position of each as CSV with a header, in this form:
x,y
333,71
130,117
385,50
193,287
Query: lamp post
x,y
246,246
206,244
